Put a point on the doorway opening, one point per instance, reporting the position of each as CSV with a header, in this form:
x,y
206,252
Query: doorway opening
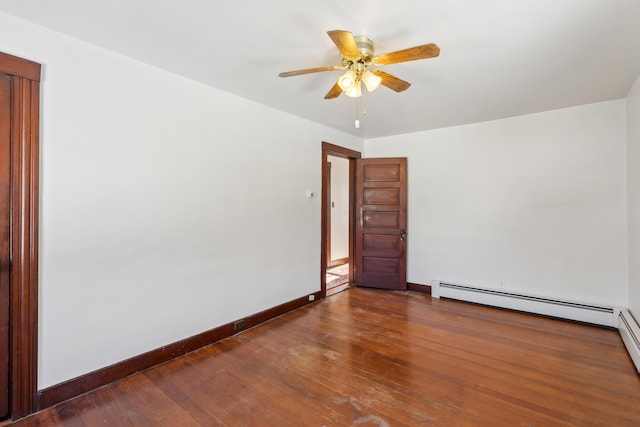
x,y
338,218
337,278
337,224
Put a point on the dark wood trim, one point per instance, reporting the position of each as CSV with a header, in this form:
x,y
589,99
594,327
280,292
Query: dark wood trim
x,y
336,150
352,218
5,245
58,393
424,289
14,66
25,167
327,185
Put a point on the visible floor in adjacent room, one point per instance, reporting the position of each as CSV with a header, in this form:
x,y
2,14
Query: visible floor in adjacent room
x,y
337,278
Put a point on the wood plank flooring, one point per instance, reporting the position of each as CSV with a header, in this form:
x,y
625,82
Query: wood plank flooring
x,y
367,357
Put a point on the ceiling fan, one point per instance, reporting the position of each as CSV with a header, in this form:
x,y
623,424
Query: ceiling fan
x,y
357,57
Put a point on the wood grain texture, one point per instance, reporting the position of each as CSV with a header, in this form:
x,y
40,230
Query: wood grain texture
x,y
5,242
345,42
381,223
412,54
376,358
19,67
309,71
24,167
425,289
334,92
392,82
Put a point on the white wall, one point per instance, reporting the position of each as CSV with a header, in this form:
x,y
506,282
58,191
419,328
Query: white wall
x,y
340,208
534,202
167,206
633,195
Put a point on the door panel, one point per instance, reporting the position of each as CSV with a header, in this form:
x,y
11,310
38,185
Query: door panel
x,y
5,167
381,223
381,196
381,242
385,172
381,219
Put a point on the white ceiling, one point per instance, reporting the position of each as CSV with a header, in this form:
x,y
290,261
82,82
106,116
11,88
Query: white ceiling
x,y
499,58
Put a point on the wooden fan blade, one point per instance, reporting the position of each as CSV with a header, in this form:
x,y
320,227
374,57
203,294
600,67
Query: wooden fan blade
x,y
334,92
414,53
391,81
345,42
309,71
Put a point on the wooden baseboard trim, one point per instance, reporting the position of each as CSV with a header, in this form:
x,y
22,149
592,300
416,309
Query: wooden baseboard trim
x,y
425,289
75,387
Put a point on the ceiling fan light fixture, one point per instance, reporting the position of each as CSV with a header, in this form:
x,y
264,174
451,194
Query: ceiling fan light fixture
x,y
347,80
355,90
371,81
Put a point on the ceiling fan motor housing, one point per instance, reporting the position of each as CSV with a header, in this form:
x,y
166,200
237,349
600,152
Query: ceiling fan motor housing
x,y
365,46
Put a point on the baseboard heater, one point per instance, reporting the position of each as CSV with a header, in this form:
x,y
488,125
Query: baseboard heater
x,y
630,333
593,314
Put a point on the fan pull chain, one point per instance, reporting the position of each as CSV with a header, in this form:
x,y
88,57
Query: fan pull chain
x,y
357,122
364,101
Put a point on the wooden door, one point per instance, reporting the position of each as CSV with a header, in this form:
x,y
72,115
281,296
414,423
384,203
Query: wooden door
x,y
381,223
19,167
5,194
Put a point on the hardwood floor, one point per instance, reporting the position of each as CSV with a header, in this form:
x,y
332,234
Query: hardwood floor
x,y
368,357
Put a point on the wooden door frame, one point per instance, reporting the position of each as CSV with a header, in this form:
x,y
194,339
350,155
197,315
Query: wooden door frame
x,y
23,287
351,155
326,196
